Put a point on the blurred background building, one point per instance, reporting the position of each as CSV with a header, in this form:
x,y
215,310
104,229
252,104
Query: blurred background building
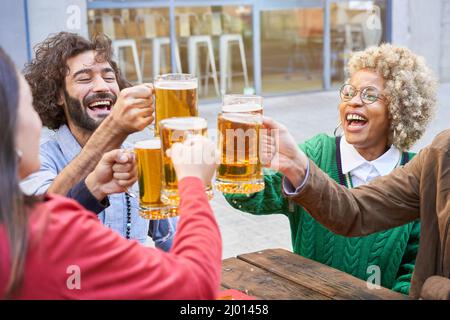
x,y
269,47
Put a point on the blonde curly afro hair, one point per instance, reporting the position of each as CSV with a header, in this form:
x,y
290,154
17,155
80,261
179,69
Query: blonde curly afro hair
x,y
410,87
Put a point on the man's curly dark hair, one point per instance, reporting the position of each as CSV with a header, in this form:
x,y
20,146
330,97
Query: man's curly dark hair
x,y
47,71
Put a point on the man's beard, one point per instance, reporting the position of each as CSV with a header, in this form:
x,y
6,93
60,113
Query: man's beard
x,y
78,114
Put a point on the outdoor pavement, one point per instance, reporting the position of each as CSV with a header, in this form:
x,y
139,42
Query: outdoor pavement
x,y
305,115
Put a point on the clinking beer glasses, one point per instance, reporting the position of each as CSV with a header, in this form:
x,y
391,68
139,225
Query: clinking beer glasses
x,y
240,169
174,130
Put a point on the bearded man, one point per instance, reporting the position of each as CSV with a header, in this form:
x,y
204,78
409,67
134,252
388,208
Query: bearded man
x,y
79,92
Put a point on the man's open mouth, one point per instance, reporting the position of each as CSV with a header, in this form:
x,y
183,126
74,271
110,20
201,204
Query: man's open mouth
x,y
103,105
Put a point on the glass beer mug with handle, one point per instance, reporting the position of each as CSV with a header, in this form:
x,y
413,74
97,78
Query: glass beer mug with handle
x,y
240,170
148,158
174,130
175,96
241,103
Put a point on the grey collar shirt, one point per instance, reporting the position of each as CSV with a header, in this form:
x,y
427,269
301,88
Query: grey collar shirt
x,y
61,148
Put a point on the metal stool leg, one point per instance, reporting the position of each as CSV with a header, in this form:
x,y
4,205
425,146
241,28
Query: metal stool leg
x,y
243,61
121,59
223,57
229,65
177,58
192,57
143,58
156,58
207,67
136,62
213,66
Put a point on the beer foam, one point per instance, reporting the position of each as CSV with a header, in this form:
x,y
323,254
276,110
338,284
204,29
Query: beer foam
x,y
244,118
176,85
246,107
148,144
184,123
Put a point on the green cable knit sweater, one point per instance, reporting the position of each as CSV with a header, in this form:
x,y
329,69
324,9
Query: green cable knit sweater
x,y
393,251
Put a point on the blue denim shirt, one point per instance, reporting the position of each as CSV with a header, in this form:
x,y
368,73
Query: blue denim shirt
x,y
60,149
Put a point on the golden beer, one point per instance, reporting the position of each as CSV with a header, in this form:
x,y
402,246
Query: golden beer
x,y
240,103
176,96
240,169
148,156
177,130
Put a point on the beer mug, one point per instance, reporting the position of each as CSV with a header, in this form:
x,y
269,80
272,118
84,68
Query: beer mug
x,y
177,130
148,157
240,170
241,103
175,96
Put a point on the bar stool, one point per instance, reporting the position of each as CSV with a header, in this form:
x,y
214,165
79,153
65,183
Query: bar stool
x,y
194,43
226,41
159,44
118,45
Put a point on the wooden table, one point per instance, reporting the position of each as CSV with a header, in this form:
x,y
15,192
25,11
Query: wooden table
x,y
280,274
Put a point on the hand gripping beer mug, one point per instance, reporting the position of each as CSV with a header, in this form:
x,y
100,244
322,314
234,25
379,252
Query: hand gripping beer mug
x,y
177,130
240,103
176,96
240,169
148,156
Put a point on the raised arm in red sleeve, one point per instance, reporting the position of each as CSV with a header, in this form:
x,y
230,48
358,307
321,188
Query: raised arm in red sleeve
x,y
111,267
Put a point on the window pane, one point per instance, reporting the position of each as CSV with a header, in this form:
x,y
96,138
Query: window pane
x,y
292,50
355,25
135,32
216,38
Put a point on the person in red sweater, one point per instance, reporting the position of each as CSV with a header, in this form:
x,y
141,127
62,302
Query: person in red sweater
x,y
53,248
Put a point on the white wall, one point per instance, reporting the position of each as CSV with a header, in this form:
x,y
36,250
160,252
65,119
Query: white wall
x,y
13,31
48,16
417,25
445,42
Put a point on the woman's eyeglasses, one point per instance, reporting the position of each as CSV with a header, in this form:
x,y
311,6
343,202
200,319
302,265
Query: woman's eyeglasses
x,y
368,95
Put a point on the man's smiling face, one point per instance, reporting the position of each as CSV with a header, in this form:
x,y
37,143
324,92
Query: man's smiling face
x,y
91,89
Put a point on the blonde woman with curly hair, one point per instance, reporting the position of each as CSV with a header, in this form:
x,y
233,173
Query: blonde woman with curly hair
x,y
385,106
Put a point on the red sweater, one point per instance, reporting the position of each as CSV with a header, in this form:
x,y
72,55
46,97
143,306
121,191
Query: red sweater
x,y
65,238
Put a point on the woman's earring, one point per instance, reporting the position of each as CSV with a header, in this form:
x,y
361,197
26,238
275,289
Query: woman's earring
x,y
337,128
19,154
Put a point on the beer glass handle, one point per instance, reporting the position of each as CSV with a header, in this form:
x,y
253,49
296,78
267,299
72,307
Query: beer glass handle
x,y
130,151
152,130
151,127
